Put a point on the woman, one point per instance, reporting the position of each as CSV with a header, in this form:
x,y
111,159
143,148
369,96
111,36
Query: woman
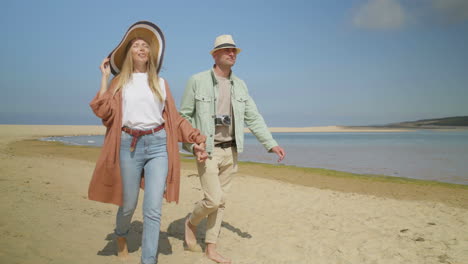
x,y
143,127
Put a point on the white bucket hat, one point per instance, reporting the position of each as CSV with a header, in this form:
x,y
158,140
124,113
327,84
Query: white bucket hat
x,y
224,42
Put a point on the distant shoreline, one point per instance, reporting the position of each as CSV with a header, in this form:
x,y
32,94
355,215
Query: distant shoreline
x,y
332,129
366,129
101,130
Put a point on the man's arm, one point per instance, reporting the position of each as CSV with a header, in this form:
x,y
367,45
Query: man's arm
x,y
257,125
187,107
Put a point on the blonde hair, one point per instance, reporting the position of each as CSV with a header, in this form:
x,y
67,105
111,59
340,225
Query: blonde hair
x,y
125,74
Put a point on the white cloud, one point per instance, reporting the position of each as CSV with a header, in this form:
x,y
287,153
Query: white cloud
x,y
380,14
453,10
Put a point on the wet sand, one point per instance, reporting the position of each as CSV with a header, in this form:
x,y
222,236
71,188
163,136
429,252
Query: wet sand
x,y
275,214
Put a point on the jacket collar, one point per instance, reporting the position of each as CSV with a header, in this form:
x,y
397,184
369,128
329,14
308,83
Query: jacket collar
x,y
231,77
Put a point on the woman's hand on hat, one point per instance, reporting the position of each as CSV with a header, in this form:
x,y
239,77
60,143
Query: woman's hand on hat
x,y
105,68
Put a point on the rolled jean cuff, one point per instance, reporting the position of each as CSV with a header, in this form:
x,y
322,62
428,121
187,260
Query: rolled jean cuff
x,y
121,235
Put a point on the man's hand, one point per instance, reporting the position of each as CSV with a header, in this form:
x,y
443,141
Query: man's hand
x,y
279,151
200,152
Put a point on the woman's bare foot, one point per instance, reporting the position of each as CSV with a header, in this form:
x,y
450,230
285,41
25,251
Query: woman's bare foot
x,y
190,237
122,250
212,254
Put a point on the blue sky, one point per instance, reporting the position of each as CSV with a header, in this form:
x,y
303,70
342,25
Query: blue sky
x,y
306,63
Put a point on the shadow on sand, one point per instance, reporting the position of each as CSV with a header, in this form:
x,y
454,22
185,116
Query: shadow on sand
x,y
175,230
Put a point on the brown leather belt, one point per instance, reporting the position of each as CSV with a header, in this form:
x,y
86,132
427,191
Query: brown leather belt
x,y
227,144
138,133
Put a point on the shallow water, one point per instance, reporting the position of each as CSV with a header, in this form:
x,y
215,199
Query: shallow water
x,y
429,155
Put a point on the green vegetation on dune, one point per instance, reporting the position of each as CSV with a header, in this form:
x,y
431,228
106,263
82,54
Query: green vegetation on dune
x,y
342,174
447,121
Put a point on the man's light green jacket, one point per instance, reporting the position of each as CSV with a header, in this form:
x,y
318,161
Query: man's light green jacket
x,y
199,104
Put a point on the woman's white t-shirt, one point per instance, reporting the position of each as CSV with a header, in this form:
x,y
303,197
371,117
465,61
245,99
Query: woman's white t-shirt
x,y
141,109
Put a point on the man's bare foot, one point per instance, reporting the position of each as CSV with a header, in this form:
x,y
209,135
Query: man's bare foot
x,y
122,250
190,237
212,254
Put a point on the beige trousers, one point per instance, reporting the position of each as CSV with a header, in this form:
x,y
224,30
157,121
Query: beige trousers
x,y
215,177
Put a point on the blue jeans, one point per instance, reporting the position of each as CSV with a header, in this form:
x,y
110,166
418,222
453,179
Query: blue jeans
x,y
150,154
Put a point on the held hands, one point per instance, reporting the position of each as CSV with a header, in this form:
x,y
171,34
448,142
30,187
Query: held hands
x,y
200,152
279,151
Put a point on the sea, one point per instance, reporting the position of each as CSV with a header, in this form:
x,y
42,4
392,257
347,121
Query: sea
x,y
422,154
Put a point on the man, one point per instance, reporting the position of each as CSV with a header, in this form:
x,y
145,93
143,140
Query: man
x,y
218,103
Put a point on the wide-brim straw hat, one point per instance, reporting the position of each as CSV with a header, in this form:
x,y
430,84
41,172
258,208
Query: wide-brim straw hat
x,y
224,42
145,30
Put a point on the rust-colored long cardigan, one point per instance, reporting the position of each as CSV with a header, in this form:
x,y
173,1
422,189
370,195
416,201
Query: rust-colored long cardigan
x,y
106,183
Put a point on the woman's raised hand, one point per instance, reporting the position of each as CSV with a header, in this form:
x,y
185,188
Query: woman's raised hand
x,y
105,68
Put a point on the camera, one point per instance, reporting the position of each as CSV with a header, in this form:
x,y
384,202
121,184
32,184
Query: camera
x,y
223,120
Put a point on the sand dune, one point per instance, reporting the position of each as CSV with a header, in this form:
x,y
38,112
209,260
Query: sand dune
x,y
334,129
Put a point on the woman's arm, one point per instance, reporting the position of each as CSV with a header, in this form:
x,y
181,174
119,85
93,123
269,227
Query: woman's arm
x,y
186,133
105,71
102,104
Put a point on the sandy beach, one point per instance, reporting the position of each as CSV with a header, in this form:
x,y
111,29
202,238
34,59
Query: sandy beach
x,y
275,214
333,129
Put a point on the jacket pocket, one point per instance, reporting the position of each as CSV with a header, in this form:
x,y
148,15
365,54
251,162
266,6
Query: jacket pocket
x,y
203,103
240,105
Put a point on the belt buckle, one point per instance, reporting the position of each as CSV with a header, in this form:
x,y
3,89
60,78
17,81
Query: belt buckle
x,y
225,144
